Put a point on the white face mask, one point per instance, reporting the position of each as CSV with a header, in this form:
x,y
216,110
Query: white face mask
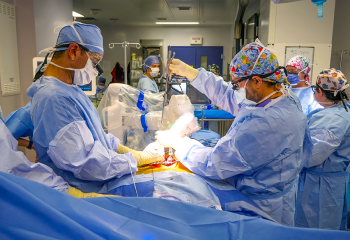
x,y
84,75
100,87
241,94
154,72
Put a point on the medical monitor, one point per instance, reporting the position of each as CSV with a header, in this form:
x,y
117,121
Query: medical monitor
x,y
36,62
89,89
195,96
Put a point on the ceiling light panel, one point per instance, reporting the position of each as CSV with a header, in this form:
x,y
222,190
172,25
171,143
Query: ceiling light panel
x,y
75,14
178,23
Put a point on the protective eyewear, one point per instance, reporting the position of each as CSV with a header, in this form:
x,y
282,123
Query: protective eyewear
x,y
315,88
236,87
95,58
292,72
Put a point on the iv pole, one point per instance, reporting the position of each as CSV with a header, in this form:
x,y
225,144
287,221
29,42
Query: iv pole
x,y
125,44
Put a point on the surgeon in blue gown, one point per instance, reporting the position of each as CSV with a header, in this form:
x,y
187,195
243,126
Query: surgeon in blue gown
x,y
298,68
321,201
268,142
68,135
151,70
20,125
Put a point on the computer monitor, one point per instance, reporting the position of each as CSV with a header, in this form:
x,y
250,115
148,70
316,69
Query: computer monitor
x,y
36,62
195,96
89,89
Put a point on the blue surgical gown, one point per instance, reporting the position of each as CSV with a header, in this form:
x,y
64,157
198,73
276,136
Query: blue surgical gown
x,y
20,123
68,136
147,85
16,163
306,97
321,200
262,153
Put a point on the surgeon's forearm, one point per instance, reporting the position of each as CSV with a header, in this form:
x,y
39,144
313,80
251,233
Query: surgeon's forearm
x,y
324,144
113,141
217,90
100,168
318,156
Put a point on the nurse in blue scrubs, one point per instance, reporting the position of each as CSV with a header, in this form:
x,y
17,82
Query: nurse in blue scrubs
x,y
298,68
151,69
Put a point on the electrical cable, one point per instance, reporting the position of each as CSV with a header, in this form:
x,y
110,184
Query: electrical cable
x,y
137,195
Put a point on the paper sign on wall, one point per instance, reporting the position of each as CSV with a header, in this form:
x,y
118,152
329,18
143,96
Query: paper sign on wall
x,y
307,52
196,40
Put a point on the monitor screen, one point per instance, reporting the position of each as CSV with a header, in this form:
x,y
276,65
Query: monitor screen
x,y
87,87
36,62
195,96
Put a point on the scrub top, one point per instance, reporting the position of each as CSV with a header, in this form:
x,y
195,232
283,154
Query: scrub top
x,y
147,84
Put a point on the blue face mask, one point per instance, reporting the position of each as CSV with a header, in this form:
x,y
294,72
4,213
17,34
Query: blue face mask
x,y
293,79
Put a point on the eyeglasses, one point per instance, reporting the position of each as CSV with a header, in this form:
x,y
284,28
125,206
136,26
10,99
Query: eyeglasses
x,y
236,87
94,57
315,88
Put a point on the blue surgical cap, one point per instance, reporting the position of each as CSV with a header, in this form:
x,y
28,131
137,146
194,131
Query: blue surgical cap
x,y
256,59
149,62
102,80
85,34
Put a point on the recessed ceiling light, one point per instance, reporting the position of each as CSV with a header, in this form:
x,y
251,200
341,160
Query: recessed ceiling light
x,y
75,14
177,22
184,8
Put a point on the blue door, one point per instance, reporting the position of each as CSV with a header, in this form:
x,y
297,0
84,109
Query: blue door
x,y
208,56
199,56
185,54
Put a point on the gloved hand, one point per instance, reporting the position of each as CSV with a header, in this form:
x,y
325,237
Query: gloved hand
x,y
168,138
154,150
152,153
180,68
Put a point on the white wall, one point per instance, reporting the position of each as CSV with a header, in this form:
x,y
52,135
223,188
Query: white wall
x,y
341,37
26,51
171,35
50,14
297,24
